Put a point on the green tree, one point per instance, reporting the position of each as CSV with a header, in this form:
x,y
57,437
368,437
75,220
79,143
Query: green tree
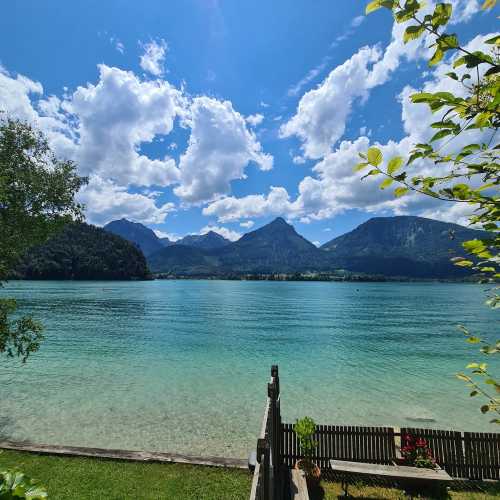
x,y
468,174
37,193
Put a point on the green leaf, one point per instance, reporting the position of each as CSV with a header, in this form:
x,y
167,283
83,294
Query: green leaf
x,y
485,409
464,263
386,183
373,6
459,62
473,245
421,97
441,14
395,164
413,32
447,42
440,135
375,171
360,166
374,156
489,4
414,156
437,57
400,191
483,119
493,71
447,124
494,41
453,75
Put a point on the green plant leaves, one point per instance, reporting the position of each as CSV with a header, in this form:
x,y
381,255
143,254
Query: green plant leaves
x,y
360,166
377,4
395,164
413,32
400,191
374,156
440,135
386,183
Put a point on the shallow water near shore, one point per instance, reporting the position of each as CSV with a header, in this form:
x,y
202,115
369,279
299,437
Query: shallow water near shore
x,y
182,366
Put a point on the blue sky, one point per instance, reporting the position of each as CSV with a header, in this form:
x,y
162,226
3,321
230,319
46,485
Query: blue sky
x,y
197,114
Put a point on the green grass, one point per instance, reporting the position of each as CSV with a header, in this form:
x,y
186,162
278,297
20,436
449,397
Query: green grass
x,y
331,491
93,479
71,478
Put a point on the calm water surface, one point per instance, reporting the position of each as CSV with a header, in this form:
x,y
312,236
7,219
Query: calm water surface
x,y
182,366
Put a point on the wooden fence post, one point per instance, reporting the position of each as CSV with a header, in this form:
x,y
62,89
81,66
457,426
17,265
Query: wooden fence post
x,y
264,460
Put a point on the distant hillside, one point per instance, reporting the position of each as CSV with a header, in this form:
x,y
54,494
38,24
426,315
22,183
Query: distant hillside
x,y
402,246
82,251
143,237
184,260
207,241
166,242
274,248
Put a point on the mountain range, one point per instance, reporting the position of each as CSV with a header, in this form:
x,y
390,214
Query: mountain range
x,y
402,246
148,242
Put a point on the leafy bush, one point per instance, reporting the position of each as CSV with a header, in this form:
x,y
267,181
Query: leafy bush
x,y
304,430
14,485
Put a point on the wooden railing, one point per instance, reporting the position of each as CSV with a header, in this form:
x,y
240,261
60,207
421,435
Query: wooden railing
x,y
267,483
464,455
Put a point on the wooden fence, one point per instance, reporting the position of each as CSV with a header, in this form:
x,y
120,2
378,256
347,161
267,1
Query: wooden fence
x,y
357,444
464,455
268,478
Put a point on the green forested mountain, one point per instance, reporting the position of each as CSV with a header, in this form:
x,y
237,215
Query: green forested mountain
x,y
81,251
406,246
402,246
274,248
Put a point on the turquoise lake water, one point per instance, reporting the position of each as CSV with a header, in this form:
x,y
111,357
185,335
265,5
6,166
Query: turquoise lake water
x,y
182,366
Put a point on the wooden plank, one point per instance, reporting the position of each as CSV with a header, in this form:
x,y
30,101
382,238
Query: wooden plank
x,y
129,455
395,471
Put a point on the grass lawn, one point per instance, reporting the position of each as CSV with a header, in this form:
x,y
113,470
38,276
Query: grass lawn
x,y
69,478
331,491
93,479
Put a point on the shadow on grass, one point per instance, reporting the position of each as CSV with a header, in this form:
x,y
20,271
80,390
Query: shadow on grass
x,y
374,489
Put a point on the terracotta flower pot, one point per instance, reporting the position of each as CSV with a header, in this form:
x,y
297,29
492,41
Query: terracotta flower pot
x,y
311,470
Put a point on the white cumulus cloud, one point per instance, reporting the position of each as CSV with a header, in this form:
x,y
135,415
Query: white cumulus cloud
x,y
220,148
106,201
153,58
229,234
255,119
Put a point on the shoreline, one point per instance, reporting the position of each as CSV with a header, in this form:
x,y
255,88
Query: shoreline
x,y
126,455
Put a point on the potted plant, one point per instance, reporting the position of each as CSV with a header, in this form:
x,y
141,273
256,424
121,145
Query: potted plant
x,y
304,430
416,452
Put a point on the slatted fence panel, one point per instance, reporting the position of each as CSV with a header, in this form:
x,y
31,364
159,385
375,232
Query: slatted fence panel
x,y
446,447
359,444
482,455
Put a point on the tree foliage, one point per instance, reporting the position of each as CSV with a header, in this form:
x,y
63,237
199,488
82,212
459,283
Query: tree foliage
x,y
37,193
465,174
84,252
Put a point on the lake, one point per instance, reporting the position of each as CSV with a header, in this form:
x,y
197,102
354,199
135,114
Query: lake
x,y
183,366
